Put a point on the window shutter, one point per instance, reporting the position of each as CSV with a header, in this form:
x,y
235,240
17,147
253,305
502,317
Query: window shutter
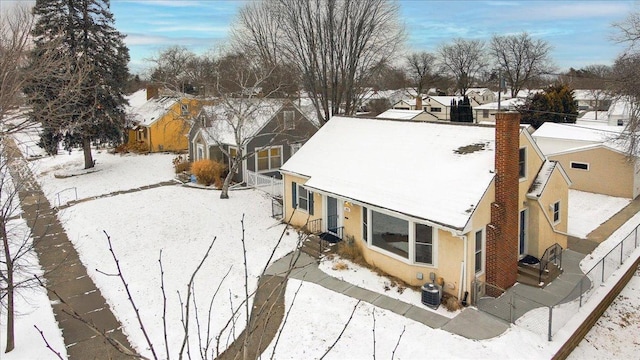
x,y
294,194
310,203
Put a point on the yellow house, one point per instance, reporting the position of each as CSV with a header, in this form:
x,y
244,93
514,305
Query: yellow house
x,y
162,123
462,201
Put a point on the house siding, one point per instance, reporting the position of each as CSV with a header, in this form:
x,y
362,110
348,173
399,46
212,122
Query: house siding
x,y
303,130
604,165
171,131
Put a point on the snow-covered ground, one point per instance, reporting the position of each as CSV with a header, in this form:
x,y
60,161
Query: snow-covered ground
x,y
618,329
182,221
588,210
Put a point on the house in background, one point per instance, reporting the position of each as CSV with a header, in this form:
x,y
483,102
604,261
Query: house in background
x,y
595,158
462,201
486,113
481,95
275,130
440,106
416,115
162,121
591,99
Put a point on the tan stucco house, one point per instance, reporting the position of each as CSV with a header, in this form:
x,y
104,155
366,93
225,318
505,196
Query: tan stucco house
x,y
462,201
592,157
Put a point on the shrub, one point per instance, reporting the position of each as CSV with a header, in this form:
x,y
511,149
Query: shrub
x,y
349,250
181,164
208,172
138,147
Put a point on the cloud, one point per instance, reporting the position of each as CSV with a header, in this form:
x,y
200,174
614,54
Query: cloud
x,y
574,10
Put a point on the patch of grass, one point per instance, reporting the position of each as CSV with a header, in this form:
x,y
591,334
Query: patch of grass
x,y
340,265
450,302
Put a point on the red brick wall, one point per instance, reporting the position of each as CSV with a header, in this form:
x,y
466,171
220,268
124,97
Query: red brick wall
x,y
502,235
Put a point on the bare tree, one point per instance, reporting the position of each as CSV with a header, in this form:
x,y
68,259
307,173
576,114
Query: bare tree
x,y
629,30
464,60
420,70
16,238
172,67
521,59
333,44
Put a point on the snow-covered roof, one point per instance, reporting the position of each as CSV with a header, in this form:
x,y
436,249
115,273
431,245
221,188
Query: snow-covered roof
x,y
504,104
620,107
430,171
137,98
541,180
152,110
605,135
444,100
400,114
590,95
256,112
574,132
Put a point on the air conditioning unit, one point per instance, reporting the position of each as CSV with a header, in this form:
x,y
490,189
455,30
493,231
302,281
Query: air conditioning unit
x,y
431,295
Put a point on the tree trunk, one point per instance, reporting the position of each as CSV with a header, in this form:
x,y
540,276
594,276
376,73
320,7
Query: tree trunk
x,y
227,180
10,290
86,147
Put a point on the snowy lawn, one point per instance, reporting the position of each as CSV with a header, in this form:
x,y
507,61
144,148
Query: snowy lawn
x,y
588,210
32,308
417,342
182,222
112,172
365,278
618,330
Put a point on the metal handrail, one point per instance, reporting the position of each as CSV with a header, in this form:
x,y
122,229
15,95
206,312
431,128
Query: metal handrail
x,y
552,253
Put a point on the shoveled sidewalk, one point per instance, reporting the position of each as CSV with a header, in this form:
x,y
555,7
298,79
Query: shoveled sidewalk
x,y
306,268
64,272
604,231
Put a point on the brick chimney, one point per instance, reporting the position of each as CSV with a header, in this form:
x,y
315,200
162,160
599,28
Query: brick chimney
x,y
502,234
419,102
152,91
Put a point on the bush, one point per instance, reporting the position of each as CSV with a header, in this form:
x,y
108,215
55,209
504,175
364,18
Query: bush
x,y
180,164
348,249
208,172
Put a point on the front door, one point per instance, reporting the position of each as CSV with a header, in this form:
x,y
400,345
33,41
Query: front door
x,y
522,248
332,215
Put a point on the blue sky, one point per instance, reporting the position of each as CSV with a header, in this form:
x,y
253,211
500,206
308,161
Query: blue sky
x,y
580,32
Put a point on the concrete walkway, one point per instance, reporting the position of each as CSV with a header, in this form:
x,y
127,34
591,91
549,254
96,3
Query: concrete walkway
x,y
306,268
602,232
64,273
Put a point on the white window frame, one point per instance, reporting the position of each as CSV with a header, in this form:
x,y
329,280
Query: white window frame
x,y
268,149
482,251
437,109
410,259
556,210
292,122
184,109
579,163
298,192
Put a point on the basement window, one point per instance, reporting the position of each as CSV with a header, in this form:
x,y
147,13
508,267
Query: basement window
x,y
580,165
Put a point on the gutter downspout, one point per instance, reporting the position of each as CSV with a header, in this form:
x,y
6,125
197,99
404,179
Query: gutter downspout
x,y
463,275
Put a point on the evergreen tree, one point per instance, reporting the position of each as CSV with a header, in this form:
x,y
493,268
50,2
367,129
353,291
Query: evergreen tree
x,y
555,104
84,32
461,111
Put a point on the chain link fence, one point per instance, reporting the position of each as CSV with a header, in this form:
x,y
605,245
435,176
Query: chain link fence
x,y
547,316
